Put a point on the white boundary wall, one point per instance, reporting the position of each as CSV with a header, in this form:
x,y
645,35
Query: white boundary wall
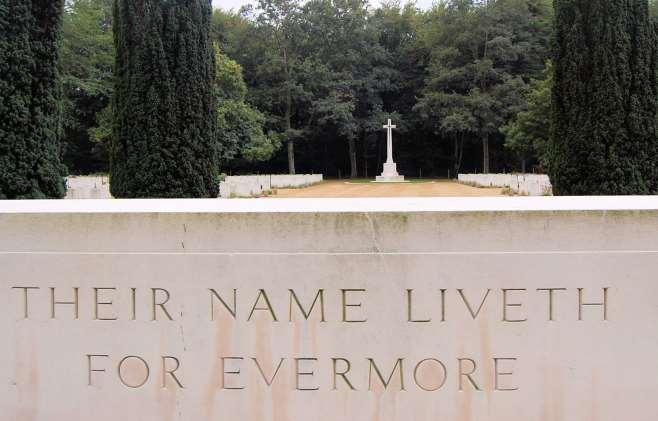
x,y
98,187
523,184
88,187
257,185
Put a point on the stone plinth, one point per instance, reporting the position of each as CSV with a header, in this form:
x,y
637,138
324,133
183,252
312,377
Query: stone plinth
x,y
483,309
390,174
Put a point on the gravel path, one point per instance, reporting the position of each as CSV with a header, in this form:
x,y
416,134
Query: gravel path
x,y
341,188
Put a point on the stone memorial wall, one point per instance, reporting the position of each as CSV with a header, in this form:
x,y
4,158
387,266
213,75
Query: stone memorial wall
x,y
522,184
88,187
338,309
258,185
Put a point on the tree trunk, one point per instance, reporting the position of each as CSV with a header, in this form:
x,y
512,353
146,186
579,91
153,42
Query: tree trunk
x,y
352,152
461,155
288,115
523,165
458,154
485,154
365,157
291,156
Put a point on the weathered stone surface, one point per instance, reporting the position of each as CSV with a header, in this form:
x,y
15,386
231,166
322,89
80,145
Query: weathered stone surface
x,y
523,184
88,187
494,289
257,185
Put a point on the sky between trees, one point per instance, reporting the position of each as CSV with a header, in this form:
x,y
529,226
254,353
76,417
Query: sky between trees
x,y
236,4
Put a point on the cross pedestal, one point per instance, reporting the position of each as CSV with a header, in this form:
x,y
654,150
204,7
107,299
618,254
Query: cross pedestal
x,y
390,173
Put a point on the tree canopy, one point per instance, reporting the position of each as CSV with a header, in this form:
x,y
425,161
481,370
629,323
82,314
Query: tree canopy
x,y
306,86
604,99
165,108
30,116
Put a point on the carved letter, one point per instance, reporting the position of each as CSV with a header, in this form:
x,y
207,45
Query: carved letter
x,y
74,303
342,374
146,377
298,373
98,303
262,293
93,370
506,305
474,314
443,305
233,310
224,373
161,304
498,374
582,304
307,314
551,306
165,371
410,318
463,374
444,375
398,365
133,309
344,293
26,311
270,381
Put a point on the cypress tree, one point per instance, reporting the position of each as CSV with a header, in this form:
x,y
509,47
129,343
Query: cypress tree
x,y
604,116
165,110
30,166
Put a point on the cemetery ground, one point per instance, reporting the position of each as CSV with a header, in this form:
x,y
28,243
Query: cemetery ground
x,y
366,188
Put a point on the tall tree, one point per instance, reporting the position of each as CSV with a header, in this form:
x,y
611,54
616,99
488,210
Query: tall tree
x,y
87,72
240,136
30,166
529,132
342,37
279,20
604,98
165,106
482,56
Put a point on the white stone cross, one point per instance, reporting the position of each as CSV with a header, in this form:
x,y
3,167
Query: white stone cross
x,y
390,173
389,140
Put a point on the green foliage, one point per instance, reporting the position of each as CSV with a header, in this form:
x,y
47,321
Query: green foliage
x,y
87,72
352,73
101,133
87,55
229,80
30,166
463,81
481,57
240,134
327,73
529,132
604,99
164,142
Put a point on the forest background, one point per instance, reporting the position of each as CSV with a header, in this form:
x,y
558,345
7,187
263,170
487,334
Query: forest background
x,y
305,87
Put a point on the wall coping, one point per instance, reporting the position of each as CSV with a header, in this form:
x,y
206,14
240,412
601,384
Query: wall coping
x,y
339,205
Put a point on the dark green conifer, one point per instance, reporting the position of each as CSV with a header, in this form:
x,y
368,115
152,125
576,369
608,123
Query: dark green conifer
x,y
30,166
604,139
164,141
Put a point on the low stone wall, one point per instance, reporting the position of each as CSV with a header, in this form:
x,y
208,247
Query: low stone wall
x,y
523,184
488,309
88,187
257,185
98,187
